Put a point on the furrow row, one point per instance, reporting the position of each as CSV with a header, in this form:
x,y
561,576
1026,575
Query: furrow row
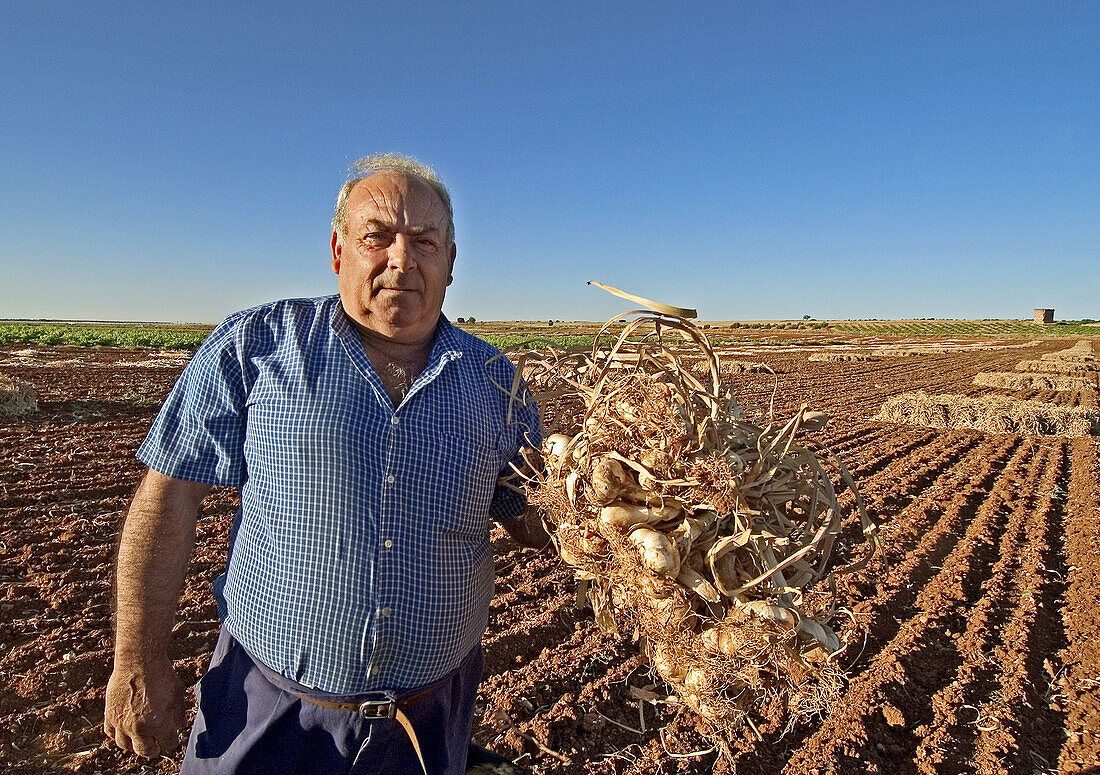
x,y
886,702
956,718
921,533
842,438
900,445
1078,684
897,484
1019,731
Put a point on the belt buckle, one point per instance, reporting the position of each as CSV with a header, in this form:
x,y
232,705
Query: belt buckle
x,y
378,709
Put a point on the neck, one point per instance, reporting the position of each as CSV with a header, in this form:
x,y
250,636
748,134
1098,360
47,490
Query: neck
x,y
394,350
397,364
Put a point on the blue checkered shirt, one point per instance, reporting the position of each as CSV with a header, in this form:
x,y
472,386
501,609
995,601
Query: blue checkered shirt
x,y
360,558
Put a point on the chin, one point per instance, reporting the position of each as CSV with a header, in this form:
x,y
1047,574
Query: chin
x,y
408,333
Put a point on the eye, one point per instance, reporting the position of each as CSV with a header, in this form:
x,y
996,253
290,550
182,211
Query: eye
x,y
377,239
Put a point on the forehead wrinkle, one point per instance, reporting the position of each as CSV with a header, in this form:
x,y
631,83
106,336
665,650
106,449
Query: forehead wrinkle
x,y
391,197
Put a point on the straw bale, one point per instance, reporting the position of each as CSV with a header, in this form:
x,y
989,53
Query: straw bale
x,y
998,346
1013,380
907,352
1058,367
730,367
733,366
16,397
1081,358
156,363
842,357
1081,352
991,413
1081,347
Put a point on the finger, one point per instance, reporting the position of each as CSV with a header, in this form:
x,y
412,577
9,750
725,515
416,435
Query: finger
x,y
165,736
144,737
146,746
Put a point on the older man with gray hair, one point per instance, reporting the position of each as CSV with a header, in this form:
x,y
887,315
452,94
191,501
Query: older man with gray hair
x,y
366,435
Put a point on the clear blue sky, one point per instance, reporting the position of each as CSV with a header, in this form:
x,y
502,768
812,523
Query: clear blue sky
x,y
178,161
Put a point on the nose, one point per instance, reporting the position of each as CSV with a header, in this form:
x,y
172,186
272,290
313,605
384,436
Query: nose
x,y
400,254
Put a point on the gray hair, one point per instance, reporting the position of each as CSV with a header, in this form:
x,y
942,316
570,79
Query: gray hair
x,y
391,162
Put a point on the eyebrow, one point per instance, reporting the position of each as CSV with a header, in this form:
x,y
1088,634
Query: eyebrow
x,y
414,231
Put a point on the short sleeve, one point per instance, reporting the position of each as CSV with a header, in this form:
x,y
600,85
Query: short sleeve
x,y
199,433
523,430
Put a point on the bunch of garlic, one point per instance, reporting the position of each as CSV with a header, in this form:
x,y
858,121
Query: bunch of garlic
x,y
672,541
691,527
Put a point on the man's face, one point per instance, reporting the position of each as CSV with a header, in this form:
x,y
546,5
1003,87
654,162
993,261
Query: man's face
x,y
394,263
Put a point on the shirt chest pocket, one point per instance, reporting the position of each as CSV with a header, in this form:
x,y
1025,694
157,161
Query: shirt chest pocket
x,y
465,477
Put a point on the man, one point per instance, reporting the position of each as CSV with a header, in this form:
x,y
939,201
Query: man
x,y
366,435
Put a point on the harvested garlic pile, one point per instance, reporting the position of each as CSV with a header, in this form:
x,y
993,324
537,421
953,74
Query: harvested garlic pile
x,y
699,532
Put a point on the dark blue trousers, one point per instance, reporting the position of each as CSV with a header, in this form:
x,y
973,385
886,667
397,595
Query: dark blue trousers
x,y
246,725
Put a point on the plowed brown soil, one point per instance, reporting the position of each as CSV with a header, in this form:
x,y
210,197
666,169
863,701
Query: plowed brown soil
x,y
974,651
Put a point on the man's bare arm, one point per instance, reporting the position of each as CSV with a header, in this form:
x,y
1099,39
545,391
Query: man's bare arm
x,y
145,707
527,529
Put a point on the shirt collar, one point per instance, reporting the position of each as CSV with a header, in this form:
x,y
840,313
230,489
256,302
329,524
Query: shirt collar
x,y
445,348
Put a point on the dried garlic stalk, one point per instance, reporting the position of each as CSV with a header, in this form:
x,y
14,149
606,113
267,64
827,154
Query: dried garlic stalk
x,y
699,531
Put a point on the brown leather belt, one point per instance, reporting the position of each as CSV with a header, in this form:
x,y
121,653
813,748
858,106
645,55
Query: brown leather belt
x,y
373,708
383,709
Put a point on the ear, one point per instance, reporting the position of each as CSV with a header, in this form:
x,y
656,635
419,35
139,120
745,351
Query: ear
x,y
337,249
450,268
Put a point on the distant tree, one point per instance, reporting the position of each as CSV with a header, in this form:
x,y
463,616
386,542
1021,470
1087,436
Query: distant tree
x,y
460,320
807,317
471,319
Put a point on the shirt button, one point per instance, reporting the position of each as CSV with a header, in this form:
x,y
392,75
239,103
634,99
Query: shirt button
x,y
390,479
386,611
394,420
374,670
388,544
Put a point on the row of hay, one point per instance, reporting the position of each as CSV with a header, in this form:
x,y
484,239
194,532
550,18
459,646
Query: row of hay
x,y
157,363
16,397
1081,347
728,367
744,367
1012,380
955,347
992,413
1060,357
1080,353
907,352
1058,367
843,357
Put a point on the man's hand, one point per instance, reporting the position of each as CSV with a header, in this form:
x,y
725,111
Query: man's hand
x,y
527,529
145,708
